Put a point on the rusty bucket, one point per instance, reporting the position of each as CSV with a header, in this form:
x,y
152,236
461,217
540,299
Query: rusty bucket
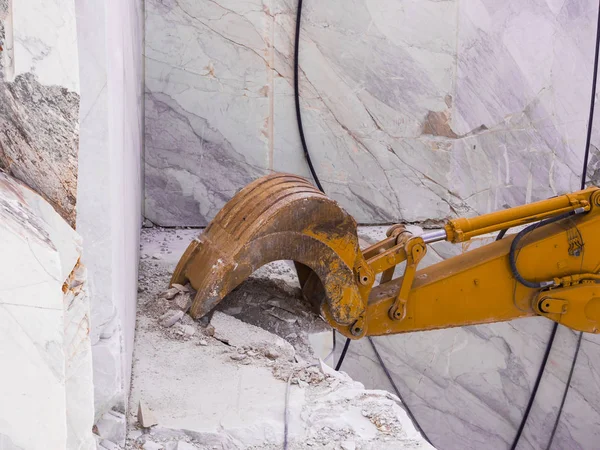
x,y
278,217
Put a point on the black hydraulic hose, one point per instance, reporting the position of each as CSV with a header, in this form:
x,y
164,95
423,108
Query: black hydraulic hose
x,y
343,355
513,247
297,98
501,234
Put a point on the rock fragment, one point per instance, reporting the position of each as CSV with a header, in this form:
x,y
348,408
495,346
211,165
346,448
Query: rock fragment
x,y
171,317
272,354
145,416
188,330
170,293
183,301
348,445
105,444
149,445
239,334
238,356
180,287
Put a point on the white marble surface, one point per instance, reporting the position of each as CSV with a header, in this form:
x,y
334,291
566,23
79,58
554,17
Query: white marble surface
x,y
43,331
109,194
413,110
45,43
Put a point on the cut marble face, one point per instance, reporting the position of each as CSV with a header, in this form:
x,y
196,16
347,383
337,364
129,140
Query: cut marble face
x,y
414,111
39,99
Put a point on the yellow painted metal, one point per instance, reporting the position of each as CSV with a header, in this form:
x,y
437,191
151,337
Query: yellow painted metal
x,y
463,229
479,287
282,216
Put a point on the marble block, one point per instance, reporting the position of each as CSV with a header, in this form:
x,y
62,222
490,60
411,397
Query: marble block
x,y
44,327
39,98
109,35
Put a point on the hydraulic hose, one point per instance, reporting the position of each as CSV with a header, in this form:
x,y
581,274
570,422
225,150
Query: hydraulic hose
x,y
513,248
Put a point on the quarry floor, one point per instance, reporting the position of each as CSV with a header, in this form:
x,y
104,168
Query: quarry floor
x,y
224,384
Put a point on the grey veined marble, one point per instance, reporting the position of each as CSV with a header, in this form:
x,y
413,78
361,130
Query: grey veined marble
x,y
413,110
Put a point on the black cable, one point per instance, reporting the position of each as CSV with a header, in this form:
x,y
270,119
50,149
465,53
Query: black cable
x,y
567,386
513,247
555,326
343,355
391,380
535,387
538,379
592,105
297,98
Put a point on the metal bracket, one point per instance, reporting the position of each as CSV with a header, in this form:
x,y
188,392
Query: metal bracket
x,y
553,305
415,250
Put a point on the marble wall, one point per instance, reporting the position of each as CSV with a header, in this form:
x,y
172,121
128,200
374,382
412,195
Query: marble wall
x,y
413,110
109,193
39,98
46,378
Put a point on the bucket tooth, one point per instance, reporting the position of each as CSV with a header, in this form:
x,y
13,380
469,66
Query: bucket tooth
x,y
277,217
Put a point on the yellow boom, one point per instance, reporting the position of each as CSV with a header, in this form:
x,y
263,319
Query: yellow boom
x,y
548,269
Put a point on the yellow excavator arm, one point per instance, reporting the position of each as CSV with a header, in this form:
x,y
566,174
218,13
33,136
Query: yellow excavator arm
x,y
549,268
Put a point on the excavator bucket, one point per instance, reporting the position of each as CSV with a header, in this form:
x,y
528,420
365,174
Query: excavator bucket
x,y
278,217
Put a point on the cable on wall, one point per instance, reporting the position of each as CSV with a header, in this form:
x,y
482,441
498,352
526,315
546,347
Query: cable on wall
x,y
297,98
555,326
318,184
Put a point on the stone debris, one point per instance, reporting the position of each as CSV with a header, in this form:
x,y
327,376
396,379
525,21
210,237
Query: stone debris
x,y
145,417
348,445
171,317
236,333
170,293
150,445
272,354
282,315
111,426
134,434
180,287
181,445
108,445
325,408
183,301
187,330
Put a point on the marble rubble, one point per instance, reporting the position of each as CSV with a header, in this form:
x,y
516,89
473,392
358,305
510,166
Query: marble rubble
x,y
47,389
413,110
226,388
